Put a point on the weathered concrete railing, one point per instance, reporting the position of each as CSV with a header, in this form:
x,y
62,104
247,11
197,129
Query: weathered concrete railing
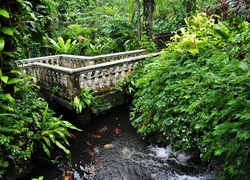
x,y
64,83
72,61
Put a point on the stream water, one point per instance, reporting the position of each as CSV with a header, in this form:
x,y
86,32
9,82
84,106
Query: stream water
x,y
109,149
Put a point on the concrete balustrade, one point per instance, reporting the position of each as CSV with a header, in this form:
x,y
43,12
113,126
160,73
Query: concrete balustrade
x,y
72,61
65,75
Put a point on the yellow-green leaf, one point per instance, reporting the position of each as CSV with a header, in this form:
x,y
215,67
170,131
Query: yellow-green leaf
x,y
7,31
4,79
14,81
4,13
1,43
9,97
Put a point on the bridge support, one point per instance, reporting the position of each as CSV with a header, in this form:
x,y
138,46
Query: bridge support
x,y
104,102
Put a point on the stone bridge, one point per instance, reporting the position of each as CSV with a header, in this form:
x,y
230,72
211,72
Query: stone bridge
x,y
63,76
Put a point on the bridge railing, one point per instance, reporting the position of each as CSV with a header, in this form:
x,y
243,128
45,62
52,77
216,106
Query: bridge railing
x,y
66,83
72,61
63,77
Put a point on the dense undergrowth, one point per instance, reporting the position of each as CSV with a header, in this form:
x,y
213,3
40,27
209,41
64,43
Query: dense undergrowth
x,y
195,96
27,125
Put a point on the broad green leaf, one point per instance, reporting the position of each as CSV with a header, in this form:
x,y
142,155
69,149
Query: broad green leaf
x,y
243,66
10,54
222,30
53,125
67,45
46,150
61,43
4,79
4,13
62,136
16,72
1,43
14,81
47,141
7,114
9,97
38,124
62,147
218,152
7,31
76,101
44,116
69,125
55,45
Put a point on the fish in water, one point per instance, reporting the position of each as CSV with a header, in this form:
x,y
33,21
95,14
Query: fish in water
x,y
68,175
90,169
102,130
117,131
96,136
89,144
108,146
91,153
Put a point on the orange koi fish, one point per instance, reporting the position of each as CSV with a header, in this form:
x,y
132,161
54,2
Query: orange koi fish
x,y
91,153
117,131
96,136
102,130
108,146
68,175
89,144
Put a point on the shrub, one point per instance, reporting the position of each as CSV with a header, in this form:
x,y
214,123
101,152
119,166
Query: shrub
x,y
196,94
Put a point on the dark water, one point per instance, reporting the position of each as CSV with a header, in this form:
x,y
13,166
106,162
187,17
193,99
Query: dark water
x,y
109,149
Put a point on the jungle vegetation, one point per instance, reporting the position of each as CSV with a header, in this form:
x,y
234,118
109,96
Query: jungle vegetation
x,y
194,96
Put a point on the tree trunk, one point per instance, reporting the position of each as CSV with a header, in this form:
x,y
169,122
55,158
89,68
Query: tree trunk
x,y
148,10
139,20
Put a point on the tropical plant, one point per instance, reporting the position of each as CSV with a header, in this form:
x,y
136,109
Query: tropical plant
x,y
147,44
52,131
61,46
195,95
20,23
84,100
122,32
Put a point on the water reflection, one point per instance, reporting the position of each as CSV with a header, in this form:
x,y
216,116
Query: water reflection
x,y
109,149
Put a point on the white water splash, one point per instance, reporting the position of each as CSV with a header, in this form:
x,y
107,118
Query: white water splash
x,y
160,152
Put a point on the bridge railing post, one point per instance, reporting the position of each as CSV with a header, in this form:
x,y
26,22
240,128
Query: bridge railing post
x,y
73,85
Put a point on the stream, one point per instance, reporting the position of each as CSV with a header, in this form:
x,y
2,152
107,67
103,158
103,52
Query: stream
x,y
109,149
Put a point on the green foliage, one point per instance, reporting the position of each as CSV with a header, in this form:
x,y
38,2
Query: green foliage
x,y
26,127
52,131
61,46
196,94
147,44
21,22
84,100
121,30
40,178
